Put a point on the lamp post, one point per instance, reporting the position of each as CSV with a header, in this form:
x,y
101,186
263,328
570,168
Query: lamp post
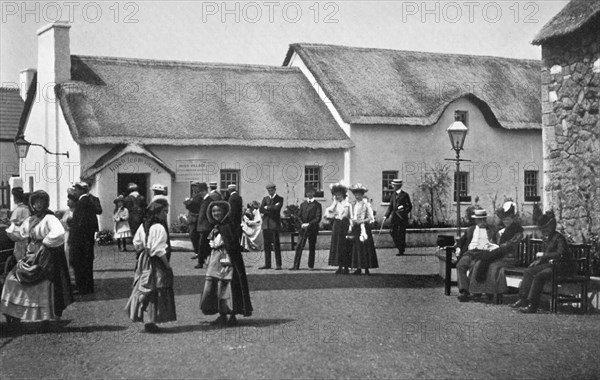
x,y
22,148
457,132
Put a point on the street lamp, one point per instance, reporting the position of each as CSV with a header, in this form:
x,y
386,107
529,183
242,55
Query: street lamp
x,y
22,148
457,132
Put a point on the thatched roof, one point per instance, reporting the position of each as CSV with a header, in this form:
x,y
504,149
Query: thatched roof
x,y
119,151
571,18
11,108
378,86
149,102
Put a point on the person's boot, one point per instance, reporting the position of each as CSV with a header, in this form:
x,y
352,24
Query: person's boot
x,y
522,302
358,271
367,272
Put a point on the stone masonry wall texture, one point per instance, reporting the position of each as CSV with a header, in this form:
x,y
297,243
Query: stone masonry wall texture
x,y
571,122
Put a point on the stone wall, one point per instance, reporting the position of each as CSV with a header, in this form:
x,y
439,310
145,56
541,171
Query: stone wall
x,y
571,131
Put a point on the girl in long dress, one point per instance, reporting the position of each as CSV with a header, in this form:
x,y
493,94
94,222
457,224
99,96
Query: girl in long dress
x,y
121,219
340,212
364,255
226,289
152,300
251,228
38,288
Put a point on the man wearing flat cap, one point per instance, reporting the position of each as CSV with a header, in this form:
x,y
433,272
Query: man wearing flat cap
x,y
398,210
270,209
136,205
214,193
309,217
236,204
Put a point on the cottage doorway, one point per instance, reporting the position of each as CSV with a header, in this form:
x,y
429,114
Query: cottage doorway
x,y
140,179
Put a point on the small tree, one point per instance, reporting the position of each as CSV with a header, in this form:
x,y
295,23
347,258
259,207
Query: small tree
x,y
436,184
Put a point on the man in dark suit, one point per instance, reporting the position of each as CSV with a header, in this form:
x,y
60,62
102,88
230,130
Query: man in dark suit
x,y
309,216
235,210
203,226
136,205
399,208
270,208
473,242
214,194
193,206
82,228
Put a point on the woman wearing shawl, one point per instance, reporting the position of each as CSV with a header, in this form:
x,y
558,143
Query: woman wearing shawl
x,y
340,212
364,255
152,300
225,267
38,288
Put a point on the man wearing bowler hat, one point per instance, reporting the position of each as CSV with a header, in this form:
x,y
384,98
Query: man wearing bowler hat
x,y
270,208
193,206
398,210
309,216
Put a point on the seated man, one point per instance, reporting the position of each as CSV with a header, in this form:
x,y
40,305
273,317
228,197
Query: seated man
x,y
554,246
475,240
487,276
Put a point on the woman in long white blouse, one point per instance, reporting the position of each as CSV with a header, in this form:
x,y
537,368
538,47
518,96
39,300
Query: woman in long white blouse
x,y
38,288
340,212
251,228
363,247
152,300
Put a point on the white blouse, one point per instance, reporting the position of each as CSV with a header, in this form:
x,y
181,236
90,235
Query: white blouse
x,y
157,240
363,210
339,210
50,231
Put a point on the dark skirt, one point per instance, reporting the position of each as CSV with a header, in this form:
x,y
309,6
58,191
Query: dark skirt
x,y
338,251
364,255
240,292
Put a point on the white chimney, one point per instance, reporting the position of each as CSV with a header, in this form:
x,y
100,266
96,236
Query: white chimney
x,y
25,79
54,54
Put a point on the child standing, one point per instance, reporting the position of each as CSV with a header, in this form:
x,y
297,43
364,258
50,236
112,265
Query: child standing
x,y
121,218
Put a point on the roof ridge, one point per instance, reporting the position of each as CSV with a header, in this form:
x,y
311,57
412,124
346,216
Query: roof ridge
x,y
416,52
175,63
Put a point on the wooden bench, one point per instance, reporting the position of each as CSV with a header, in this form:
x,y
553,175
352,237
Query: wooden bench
x,y
562,289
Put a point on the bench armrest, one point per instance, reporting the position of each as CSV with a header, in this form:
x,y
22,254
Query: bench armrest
x,y
562,261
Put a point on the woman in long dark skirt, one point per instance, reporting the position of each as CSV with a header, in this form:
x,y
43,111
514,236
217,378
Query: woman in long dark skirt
x,y
226,289
38,288
364,255
340,212
152,300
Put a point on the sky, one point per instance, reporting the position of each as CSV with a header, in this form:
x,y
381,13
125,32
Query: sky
x,y
259,32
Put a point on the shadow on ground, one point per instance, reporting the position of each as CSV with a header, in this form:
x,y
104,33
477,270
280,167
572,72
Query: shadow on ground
x,y
117,288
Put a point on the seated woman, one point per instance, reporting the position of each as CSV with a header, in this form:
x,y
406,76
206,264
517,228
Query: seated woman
x,y
554,246
152,300
364,255
252,239
38,288
225,267
487,276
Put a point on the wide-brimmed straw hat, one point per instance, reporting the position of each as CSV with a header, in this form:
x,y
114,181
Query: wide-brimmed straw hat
x,y
509,208
338,188
359,188
479,214
118,199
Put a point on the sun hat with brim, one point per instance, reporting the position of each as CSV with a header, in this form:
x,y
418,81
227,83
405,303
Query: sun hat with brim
x,y
359,188
118,199
226,209
547,220
479,214
158,187
338,188
397,181
508,209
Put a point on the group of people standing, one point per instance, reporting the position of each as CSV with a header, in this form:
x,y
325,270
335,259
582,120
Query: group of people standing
x,y
483,252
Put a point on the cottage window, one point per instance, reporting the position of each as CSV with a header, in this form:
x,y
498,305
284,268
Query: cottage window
x,y
386,184
461,183
462,116
531,186
229,177
312,177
